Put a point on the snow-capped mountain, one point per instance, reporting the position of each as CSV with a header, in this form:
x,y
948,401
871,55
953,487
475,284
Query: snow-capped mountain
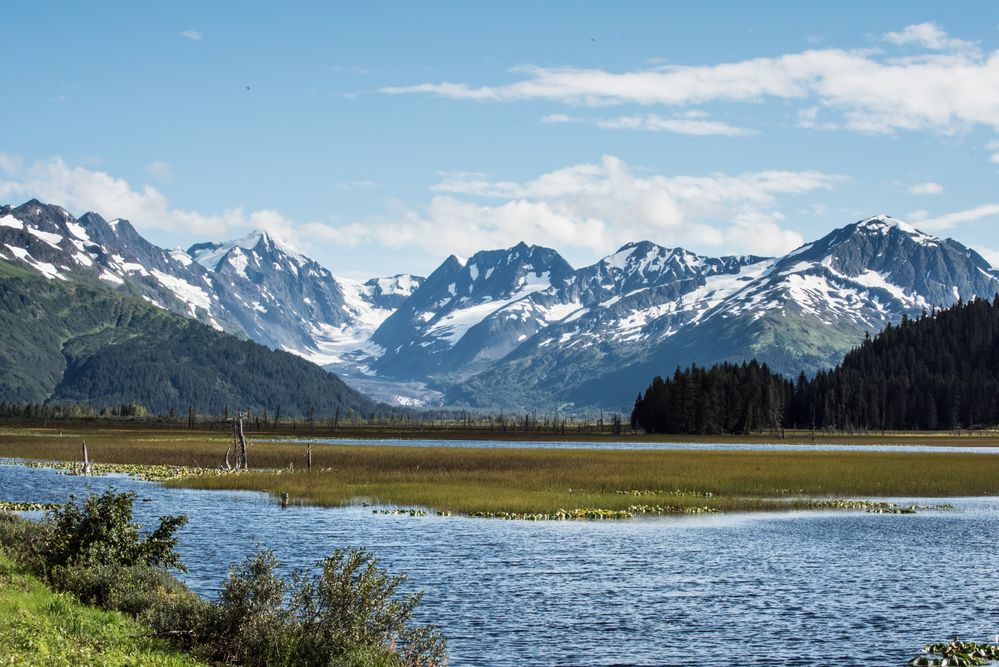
x,y
801,312
256,286
450,321
519,326
48,239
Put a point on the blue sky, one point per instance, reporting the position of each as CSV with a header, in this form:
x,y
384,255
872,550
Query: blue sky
x,y
379,138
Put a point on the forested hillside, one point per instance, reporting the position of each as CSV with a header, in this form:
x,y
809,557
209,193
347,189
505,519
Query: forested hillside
x,y
937,371
76,341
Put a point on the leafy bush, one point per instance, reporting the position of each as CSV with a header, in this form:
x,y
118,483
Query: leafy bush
x,y
352,603
349,613
24,538
100,531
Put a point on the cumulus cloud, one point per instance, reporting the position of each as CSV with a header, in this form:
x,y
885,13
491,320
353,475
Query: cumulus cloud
x,y
993,146
927,188
80,189
948,87
929,36
587,209
593,208
161,171
193,35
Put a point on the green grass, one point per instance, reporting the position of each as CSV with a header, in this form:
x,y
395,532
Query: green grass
x,y
41,627
470,480
523,481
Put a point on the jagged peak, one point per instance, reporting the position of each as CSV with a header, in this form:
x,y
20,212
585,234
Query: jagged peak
x,y
882,224
35,206
537,257
90,218
640,253
209,254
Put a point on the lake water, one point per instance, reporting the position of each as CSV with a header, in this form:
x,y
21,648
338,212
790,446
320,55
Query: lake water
x,y
642,445
803,588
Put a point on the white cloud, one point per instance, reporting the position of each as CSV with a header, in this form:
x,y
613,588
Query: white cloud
x,y
586,209
690,122
161,171
193,35
558,118
80,189
951,220
948,88
930,36
10,164
993,146
692,126
592,209
927,188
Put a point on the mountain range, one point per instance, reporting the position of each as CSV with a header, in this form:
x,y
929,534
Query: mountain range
x,y
520,327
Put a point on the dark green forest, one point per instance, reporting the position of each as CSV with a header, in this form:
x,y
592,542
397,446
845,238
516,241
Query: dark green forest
x,y
937,371
80,343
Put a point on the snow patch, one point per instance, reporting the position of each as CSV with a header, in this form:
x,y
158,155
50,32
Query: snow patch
x,y
48,237
193,296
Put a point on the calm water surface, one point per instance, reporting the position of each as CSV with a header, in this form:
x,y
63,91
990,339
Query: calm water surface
x,y
643,445
792,589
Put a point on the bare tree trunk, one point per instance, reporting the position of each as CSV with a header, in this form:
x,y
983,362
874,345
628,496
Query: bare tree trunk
x,y
242,442
310,456
86,460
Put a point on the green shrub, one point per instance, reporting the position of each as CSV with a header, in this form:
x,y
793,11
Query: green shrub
x,y
352,604
100,531
24,538
349,613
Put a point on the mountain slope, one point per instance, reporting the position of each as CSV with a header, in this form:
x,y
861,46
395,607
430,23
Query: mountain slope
x,y
932,372
519,326
800,312
445,327
257,286
76,341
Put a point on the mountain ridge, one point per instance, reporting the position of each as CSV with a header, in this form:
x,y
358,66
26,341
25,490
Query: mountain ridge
x,y
520,326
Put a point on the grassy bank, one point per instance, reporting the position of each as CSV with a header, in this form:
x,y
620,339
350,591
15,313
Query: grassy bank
x,y
41,627
524,481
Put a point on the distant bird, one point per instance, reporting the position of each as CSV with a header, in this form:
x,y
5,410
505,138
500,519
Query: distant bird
x,y
247,87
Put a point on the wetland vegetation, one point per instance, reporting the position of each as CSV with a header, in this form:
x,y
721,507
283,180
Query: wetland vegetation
x,y
528,482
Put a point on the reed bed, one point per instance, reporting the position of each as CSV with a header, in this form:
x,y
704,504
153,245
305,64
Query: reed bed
x,y
486,481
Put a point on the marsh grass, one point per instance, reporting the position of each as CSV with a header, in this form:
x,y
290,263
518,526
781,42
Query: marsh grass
x,y
471,480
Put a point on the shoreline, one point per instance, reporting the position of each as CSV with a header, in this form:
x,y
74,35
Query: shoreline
x,y
526,482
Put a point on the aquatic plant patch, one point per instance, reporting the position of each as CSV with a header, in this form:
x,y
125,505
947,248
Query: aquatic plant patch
x,y
957,654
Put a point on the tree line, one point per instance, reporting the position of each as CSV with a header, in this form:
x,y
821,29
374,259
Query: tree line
x,y
936,371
